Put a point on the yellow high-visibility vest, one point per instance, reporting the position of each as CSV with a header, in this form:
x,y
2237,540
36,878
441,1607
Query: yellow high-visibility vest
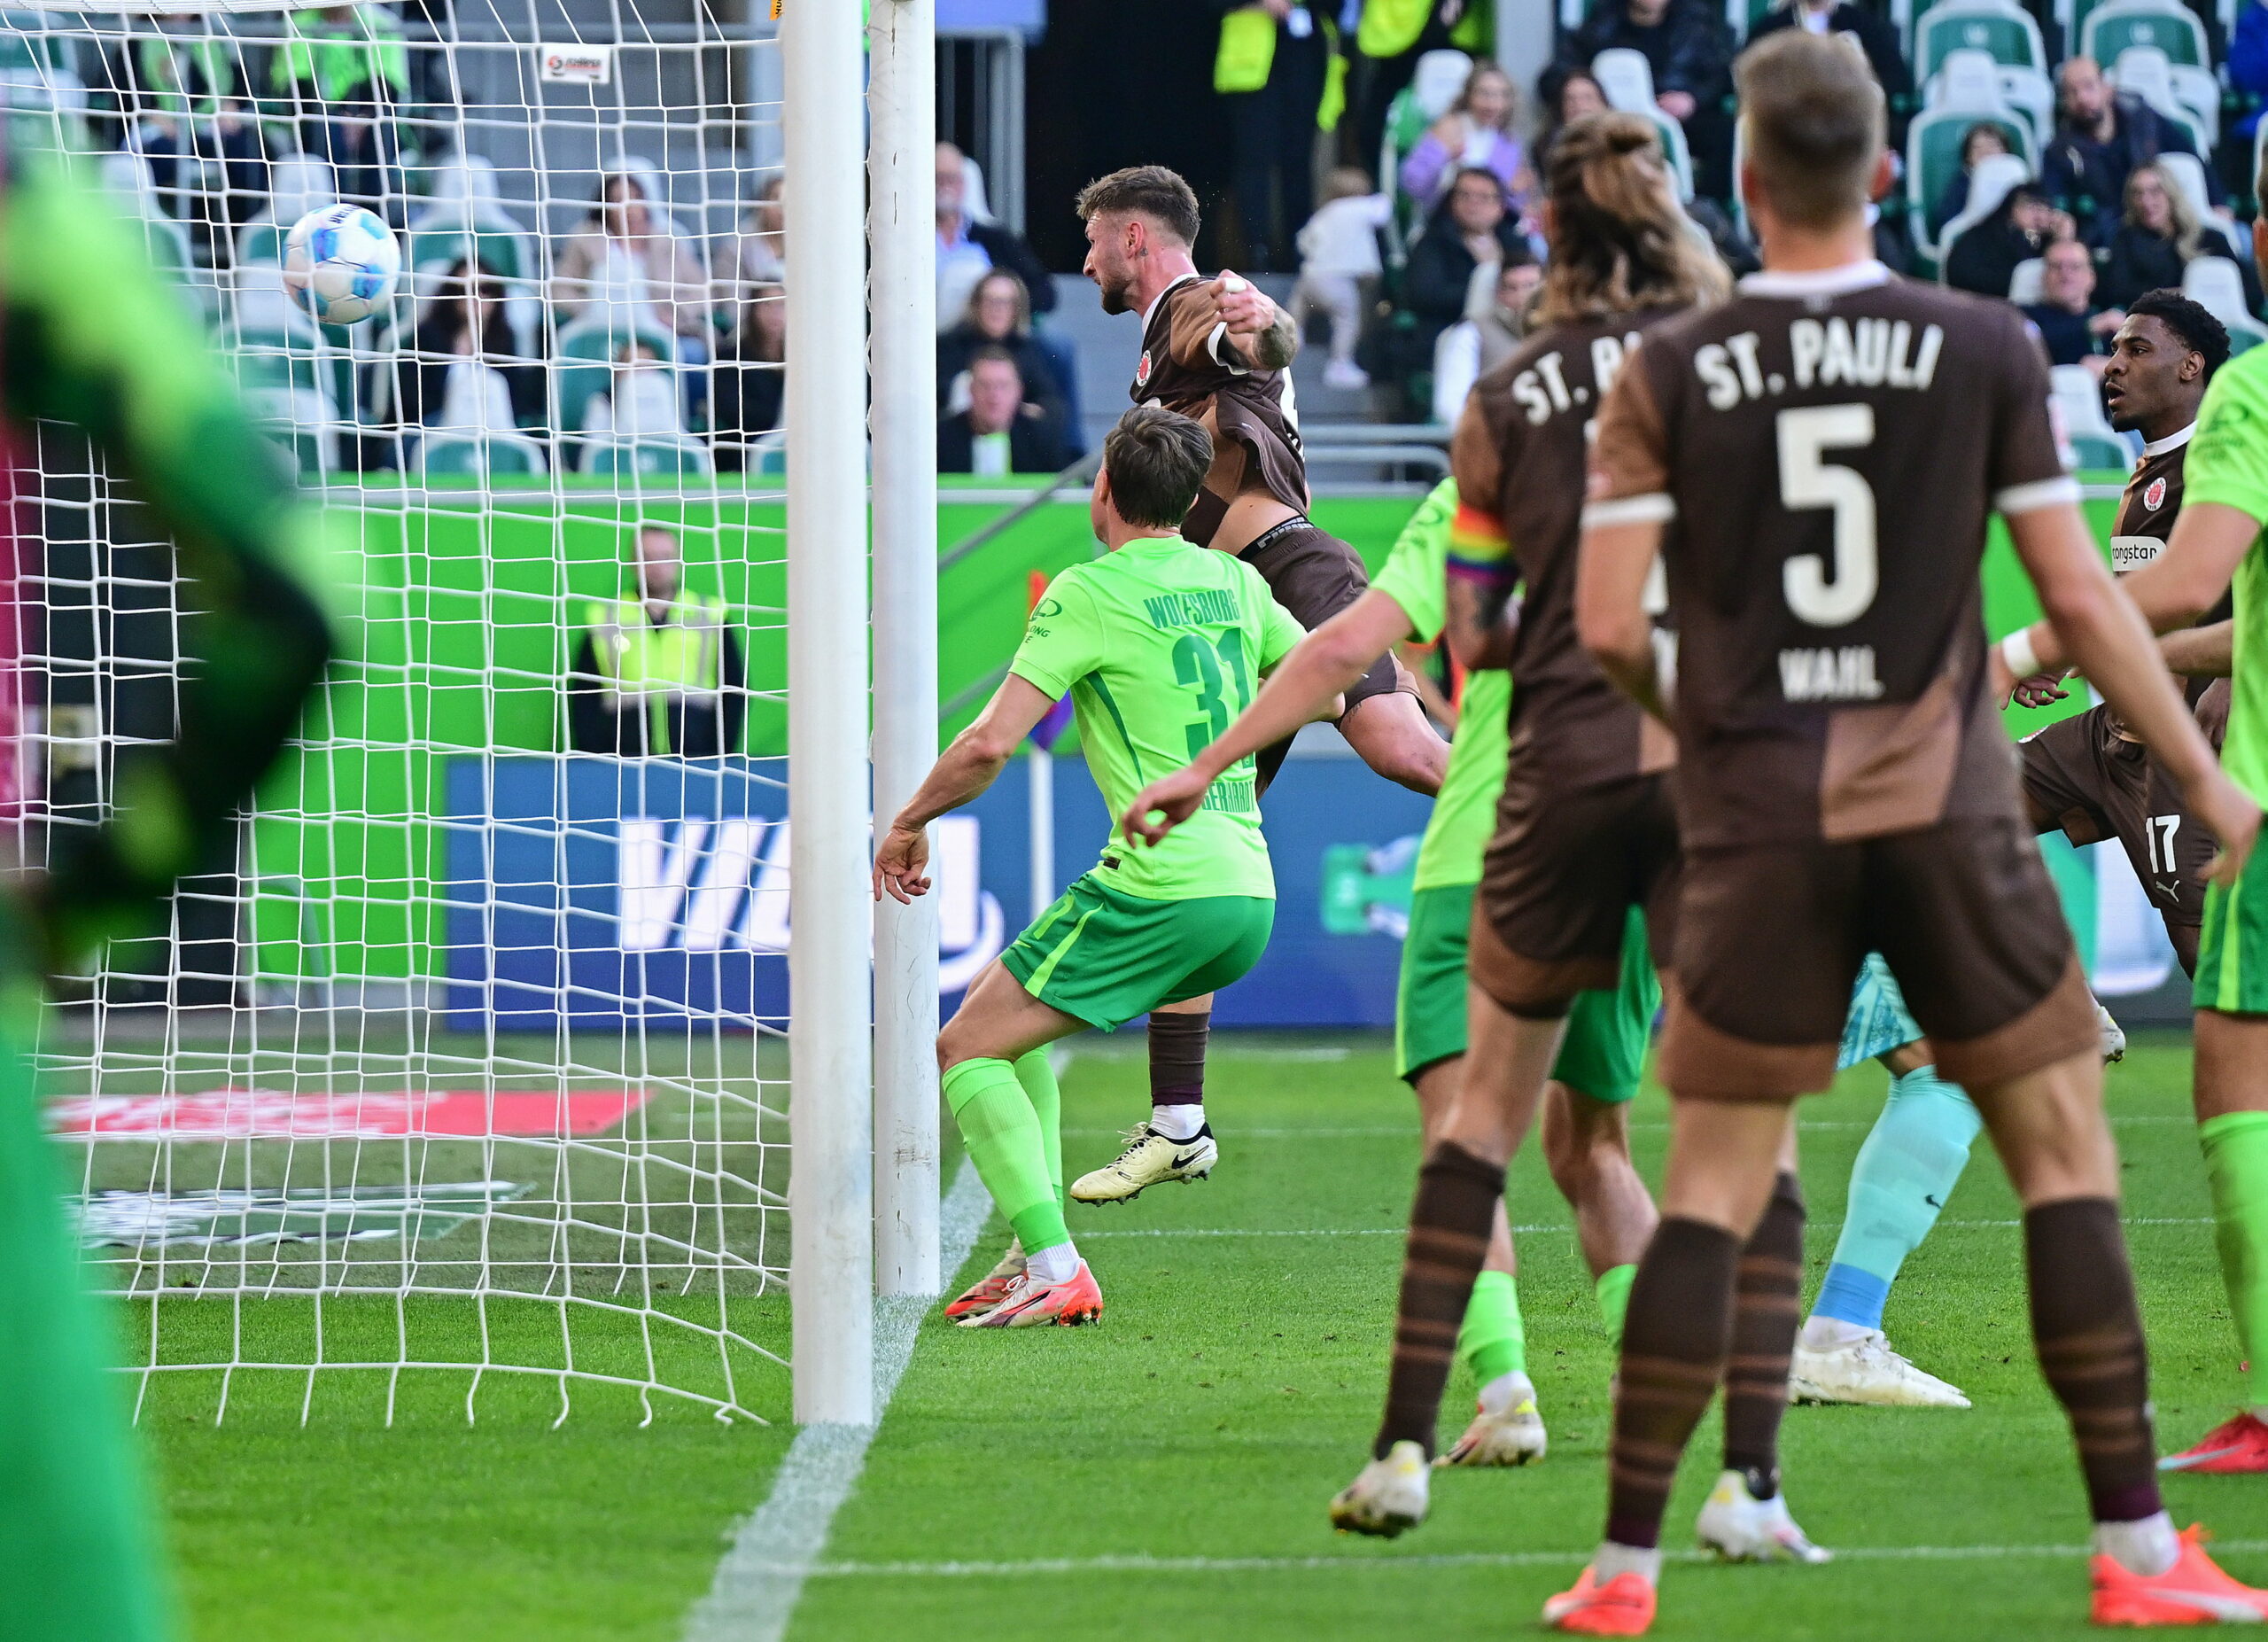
x,y
1247,52
648,666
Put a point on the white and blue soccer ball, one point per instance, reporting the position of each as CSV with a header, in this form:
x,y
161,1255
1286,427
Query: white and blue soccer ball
x,y
341,264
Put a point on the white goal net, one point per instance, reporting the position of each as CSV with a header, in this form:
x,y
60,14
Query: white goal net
x,y
470,1056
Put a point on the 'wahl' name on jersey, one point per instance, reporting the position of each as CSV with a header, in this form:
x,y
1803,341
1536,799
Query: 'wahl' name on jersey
x,y
1825,352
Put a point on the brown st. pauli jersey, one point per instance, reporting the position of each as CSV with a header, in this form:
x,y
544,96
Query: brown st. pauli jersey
x,y
2147,509
1825,451
1519,457
1188,364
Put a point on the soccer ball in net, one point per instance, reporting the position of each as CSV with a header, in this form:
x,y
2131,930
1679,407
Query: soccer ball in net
x,y
340,263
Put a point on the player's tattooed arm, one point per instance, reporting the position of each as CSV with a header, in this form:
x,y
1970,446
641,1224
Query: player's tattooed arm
x,y
1260,333
1275,347
1476,641
2200,652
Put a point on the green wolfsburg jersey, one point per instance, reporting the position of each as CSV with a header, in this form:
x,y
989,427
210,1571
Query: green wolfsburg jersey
x,y
1416,577
1160,645
2228,463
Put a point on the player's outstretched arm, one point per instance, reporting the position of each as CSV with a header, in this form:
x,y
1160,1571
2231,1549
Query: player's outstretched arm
x,y
2200,652
91,336
1611,609
961,774
2181,584
1305,686
2105,635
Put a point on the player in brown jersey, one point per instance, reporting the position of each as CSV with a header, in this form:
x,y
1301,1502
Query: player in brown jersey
x,y
1815,463
1220,351
2089,774
1584,829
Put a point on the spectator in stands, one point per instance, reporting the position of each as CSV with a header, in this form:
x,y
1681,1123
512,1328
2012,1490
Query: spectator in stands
x,y
659,672
967,247
2020,228
999,433
642,400
1981,140
2073,327
1485,339
747,398
177,94
1685,42
624,260
2247,73
753,254
1477,131
463,371
1469,230
1269,73
2101,137
1390,37
343,71
1567,95
1877,38
998,316
1339,251
2156,239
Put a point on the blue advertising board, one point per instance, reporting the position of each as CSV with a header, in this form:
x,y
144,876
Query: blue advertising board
x,y
604,892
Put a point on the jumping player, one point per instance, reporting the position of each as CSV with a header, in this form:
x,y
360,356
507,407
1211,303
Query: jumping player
x,y
2218,537
1845,786
94,339
1156,635
1220,351
1586,1135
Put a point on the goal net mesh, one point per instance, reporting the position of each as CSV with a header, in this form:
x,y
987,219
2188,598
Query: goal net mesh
x,y
468,1058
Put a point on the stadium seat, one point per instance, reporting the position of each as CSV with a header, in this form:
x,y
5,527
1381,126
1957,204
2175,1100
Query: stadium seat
x,y
2115,26
646,458
1741,16
2078,397
463,217
2245,336
1988,185
2218,286
487,457
303,422
2024,283
29,40
1999,29
1626,78
2145,72
1933,149
126,177
586,352
2189,171
298,184
1439,77
2100,452
1968,78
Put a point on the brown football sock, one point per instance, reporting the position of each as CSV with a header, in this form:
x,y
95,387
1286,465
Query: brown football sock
x,y
2088,1332
1450,1223
1673,1342
1767,1288
1177,1057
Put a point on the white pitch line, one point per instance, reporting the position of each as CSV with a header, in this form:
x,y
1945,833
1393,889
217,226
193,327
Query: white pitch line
x,y
1391,1564
1557,1225
777,1546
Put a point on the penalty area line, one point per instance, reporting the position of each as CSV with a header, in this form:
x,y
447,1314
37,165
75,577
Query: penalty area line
x,y
1050,1566
775,1548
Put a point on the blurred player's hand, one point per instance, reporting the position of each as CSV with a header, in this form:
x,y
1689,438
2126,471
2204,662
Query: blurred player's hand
x,y
2040,690
901,863
2231,815
1163,806
1241,305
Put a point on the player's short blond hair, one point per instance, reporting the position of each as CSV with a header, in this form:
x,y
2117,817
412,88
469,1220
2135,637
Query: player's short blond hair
x,y
1812,121
1152,192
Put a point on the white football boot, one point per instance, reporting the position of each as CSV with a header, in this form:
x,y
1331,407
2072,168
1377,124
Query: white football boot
x,y
1506,1429
1388,1498
1865,1371
1150,1159
1741,1528
2114,1035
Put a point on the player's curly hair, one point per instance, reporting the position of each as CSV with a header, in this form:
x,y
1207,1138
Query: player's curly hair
x,y
1618,237
2191,323
1151,191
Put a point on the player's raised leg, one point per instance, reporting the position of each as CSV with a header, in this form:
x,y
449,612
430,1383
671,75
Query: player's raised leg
x,y
1175,1143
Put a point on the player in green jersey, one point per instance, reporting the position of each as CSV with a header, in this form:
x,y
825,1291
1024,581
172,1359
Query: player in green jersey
x,y
1158,644
1587,1140
88,337
2219,540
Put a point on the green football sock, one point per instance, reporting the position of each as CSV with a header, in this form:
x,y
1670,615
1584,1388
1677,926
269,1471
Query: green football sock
x,y
1038,1080
1613,1291
2236,1165
1493,1341
1005,1141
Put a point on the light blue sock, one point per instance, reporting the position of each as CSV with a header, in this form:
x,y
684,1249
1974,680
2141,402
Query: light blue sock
x,y
1904,1173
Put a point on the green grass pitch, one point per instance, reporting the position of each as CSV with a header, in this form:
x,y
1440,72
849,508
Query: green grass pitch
x,y
1165,1474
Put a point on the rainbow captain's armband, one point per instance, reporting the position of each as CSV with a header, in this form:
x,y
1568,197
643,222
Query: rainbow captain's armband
x,y
1477,544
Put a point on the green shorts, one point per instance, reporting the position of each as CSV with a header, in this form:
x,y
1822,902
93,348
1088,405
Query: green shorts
x,y
1604,1050
2232,947
1105,956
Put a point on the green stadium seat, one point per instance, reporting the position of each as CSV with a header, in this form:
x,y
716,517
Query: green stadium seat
x,y
647,458
1933,149
586,359
1996,28
488,456
2099,451
2168,26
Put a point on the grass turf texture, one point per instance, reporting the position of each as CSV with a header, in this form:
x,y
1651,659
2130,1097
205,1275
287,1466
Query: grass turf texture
x,y
1231,1388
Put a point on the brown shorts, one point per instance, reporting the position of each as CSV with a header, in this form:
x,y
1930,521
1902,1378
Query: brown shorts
x,y
1315,576
1561,873
2081,776
1770,938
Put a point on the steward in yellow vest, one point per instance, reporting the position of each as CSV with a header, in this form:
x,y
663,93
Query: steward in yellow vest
x,y
658,673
